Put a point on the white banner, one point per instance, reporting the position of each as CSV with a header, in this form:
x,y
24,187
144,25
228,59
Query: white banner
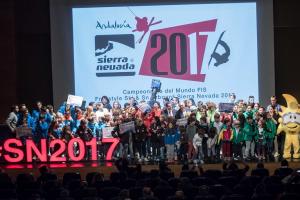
x,y
74,100
200,51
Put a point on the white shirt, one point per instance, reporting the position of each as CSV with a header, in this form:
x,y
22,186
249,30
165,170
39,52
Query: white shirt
x,y
101,112
218,126
197,141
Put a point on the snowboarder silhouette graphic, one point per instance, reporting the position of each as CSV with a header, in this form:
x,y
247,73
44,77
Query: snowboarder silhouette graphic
x,y
220,58
143,26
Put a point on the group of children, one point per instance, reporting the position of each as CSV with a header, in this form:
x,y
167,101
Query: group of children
x,y
178,131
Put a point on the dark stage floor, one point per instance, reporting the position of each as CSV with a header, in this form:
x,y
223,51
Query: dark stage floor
x,y
107,167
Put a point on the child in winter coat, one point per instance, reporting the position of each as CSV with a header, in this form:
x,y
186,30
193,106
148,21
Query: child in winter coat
x,y
238,139
260,139
211,143
226,136
171,137
249,137
197,143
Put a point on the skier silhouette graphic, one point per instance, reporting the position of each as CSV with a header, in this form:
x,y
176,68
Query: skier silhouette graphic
x,y
220,58
142,25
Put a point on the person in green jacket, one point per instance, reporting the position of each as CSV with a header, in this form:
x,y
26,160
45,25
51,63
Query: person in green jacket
x,y
248,112
271,133
249,131
238,140
260,138
211,111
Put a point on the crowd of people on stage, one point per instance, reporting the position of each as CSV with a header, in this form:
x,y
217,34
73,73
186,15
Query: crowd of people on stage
x,y
248,132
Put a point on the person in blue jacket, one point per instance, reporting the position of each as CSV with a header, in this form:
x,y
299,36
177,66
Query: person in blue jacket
x,y
172,135
37,110
25,117
94,126
67,107
41,129
68,120
20,114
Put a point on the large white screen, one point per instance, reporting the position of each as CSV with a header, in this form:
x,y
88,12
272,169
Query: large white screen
x,y
110,59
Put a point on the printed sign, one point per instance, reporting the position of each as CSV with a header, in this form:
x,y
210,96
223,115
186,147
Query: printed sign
x,y
192,51
74,100
125,127
226,107
106,132
23,132
181,122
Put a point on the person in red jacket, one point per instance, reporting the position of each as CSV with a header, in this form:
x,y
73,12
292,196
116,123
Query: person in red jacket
x,y
226,136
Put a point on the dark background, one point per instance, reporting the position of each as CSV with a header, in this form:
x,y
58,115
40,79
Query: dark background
x,y
25,51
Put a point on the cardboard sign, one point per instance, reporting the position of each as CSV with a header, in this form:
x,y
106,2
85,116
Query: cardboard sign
x,y
144,107
181,122
23,132
74,100
106,132
129,126
156,84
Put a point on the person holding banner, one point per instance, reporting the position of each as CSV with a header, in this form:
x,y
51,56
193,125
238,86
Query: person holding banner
x,y
117,132
24,130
